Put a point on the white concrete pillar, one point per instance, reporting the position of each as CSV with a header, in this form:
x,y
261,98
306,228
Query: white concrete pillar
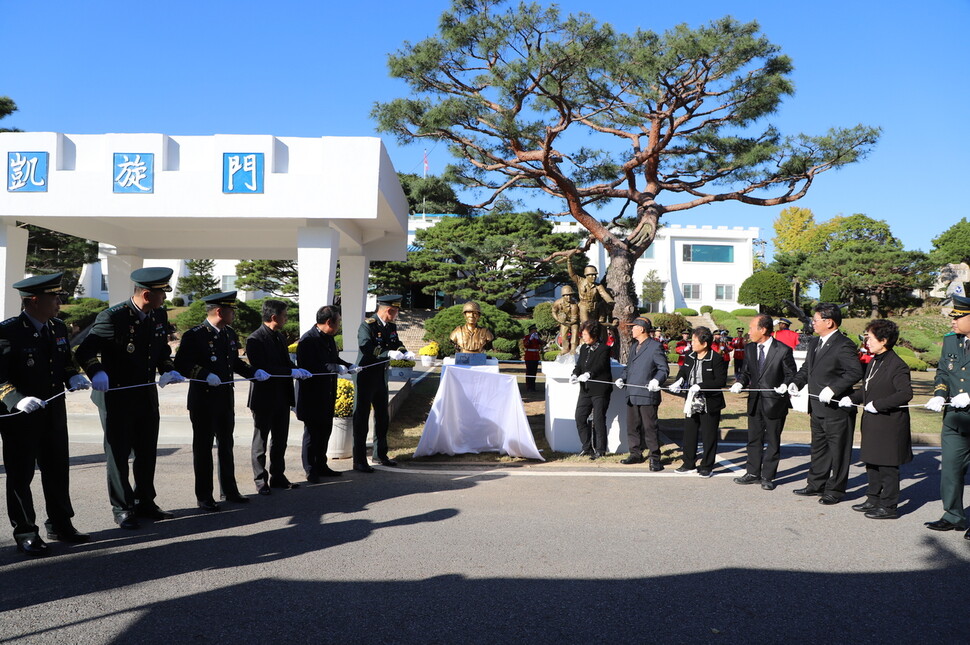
x,y
13,257
120,266
354,277
316,257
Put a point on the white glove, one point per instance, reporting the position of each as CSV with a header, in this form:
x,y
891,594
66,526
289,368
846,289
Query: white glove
x,y
793,389
78,382
213,380
170,377
653,385
341,369
395,355
354,369
261,375
961,400
619,383
935,404
300,373
409,356
675,386
584,377
573,380
30,404
100,382
736,388
871,408
781,389
825,396
845,402
696,387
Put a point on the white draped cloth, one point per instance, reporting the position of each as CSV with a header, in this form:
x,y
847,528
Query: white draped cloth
x,y
476,411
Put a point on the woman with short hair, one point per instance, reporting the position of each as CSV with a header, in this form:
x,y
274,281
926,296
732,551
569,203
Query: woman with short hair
x,y
595,379
703,369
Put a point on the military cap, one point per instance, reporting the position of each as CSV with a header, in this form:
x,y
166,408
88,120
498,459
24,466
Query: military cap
x,y
590,270
393,300
642,322
40,284
153,278
568,290
961,304
224,299
782,321
471,305
533,328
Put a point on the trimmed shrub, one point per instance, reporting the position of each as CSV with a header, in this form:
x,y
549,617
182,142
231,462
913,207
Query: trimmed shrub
x,y
551,355
745,312
83,312
506,346
502,356
686,311
706,309
542,317
671,324
914,363
672,356
178,301
766,288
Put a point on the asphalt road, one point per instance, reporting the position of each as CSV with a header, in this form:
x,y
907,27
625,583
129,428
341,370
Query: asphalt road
x,y
524,554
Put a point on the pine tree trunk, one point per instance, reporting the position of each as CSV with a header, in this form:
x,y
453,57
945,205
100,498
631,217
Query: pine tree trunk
x,y
618,278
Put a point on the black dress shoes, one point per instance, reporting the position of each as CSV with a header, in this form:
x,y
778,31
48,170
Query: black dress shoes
x,y
153,513
632,459
747,479
67,534
209,506
327,471
807,492
363,468
126,520
828,500
265,490
33,546
390,463
944,525
237,498
283,484
656,466
312,478
881,513
864,506
767,484
966,536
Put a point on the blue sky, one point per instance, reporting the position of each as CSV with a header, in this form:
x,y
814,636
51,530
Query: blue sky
x,y
312,68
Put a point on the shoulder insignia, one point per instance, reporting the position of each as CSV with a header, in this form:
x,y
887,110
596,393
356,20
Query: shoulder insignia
x,y
9,321
370,321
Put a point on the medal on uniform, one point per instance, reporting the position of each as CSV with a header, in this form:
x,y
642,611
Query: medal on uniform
x,y
30,362
949,366
212,358
131,348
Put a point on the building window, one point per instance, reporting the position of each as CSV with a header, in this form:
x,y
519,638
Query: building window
x,y
724,292
104,282
648,254
228,283
708,253
692,292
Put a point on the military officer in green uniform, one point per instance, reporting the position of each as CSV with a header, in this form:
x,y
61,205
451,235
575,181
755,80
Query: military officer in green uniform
x,y
35,364
378,342
127,346
208,355
953,382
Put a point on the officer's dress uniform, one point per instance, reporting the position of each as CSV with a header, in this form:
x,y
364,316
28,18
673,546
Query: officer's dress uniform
x,y
131,346
953,378
35,360
375,339
206,350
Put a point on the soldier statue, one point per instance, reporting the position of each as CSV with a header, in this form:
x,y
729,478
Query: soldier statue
x,y
470,337
566,312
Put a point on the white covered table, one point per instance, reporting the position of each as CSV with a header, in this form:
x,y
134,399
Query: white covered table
x,y
477,411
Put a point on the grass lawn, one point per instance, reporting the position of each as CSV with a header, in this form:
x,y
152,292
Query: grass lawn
x,y
406,427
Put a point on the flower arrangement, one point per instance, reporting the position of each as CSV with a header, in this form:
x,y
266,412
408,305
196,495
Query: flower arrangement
x,y
401,363
431,349
344,407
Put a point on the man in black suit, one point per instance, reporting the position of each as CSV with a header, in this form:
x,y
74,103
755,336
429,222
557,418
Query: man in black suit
x,y
592,364
126,347
317,354
36,364
210,352
830,370
271,400
645,370
768,364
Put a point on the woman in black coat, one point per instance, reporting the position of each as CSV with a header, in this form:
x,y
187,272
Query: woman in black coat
x,y
886,440
703,369
592,364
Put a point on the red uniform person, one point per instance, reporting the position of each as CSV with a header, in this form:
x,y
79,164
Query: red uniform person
x,y
865,356
532,353
682,347
737,344
724,345
785,335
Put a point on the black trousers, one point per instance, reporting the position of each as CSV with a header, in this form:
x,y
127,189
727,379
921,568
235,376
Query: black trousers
x,y
130,422
316,438
597,404
215,420
271,428
831,452
764,445
642,431
883,486
708,425
371,392
38,439
531,369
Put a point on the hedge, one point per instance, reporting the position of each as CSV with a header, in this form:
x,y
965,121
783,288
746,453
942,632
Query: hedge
x,y
502,356
706,309
745,312
550,355
686,311
914,363
671,324
83,312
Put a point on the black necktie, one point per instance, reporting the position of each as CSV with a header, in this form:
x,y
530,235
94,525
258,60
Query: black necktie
x,y
761,358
